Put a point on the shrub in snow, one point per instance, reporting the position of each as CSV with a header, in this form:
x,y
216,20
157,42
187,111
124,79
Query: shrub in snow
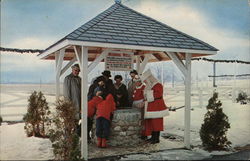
x,y
242,98
37,116
1,120
64,138
213,130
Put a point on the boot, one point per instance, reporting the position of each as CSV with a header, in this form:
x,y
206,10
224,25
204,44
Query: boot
x,y
153,135
156,138
104,143
99,142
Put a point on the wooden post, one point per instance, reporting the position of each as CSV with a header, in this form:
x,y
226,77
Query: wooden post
x,y
59,59
57,80
84,105
187,100
214,69
143,64
162,79
137,63
186,71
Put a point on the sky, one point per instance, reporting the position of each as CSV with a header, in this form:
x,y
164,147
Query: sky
x,y
36,24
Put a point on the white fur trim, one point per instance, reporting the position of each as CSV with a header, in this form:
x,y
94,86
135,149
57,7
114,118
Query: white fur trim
x,y
135,103
138,87
150,96
156,114
145,75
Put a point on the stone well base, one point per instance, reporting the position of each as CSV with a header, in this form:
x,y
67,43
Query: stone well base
x,y
125,128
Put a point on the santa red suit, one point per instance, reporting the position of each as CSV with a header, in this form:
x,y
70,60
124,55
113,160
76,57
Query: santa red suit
x,y
155,105
155,108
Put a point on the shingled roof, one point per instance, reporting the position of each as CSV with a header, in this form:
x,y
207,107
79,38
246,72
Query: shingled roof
x,y
122,25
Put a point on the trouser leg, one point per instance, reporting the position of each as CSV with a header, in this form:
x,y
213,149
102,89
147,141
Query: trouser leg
x,y
106,128
99,128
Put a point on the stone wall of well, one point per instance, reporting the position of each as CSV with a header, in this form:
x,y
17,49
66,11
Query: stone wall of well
x,y
125,128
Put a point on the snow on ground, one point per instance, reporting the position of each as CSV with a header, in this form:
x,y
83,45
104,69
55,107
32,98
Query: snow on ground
x,y
14,145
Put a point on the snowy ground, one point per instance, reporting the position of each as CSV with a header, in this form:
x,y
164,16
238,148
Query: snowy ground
x,y
14,145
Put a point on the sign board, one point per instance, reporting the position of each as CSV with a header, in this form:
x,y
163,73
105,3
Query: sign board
x,y
119,61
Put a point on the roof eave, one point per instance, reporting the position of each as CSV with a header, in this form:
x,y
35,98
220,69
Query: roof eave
x,y
68,42
54,48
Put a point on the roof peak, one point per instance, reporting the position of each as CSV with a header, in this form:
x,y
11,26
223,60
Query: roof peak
x,y
118,1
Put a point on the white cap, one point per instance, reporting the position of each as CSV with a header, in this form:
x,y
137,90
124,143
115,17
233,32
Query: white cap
x,y
145,75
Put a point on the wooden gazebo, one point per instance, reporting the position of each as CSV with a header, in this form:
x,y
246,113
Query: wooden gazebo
x,y
120,29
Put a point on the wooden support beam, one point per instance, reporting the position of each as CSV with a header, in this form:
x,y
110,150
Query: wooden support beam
x,y
71,62
138,63
98,60
78,54
157,56
178,62
144,63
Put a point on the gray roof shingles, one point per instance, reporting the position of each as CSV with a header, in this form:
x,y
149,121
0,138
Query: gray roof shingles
x,y
122,25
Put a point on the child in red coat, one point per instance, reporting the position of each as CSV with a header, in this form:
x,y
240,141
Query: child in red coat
x,y
103,113
92,109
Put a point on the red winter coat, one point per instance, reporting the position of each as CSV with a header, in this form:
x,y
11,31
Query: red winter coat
x,y
156,105
106,107
92,105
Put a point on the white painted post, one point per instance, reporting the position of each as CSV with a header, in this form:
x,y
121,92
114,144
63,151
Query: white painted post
x,y
162,81
137,63
59,60
57,79
84,105
144,63
187,100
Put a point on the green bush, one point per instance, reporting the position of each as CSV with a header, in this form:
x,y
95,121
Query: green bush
x,y
242,98
64,138
213,130
37,116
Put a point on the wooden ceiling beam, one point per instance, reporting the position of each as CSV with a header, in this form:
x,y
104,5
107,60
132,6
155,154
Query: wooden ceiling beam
x,y
157,56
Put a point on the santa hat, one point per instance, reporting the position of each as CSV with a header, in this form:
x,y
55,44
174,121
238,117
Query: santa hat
x,y
145,75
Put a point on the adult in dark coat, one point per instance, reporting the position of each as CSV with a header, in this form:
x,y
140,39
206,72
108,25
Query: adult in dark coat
x,y
121,92
98,85
131,86
109,83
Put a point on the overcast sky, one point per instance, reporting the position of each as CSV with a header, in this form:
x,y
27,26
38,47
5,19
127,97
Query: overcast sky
x,y
37,24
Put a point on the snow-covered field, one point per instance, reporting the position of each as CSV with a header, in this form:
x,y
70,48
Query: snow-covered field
x,y
14,145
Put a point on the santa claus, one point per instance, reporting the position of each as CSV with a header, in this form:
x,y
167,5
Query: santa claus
x,y
155,108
